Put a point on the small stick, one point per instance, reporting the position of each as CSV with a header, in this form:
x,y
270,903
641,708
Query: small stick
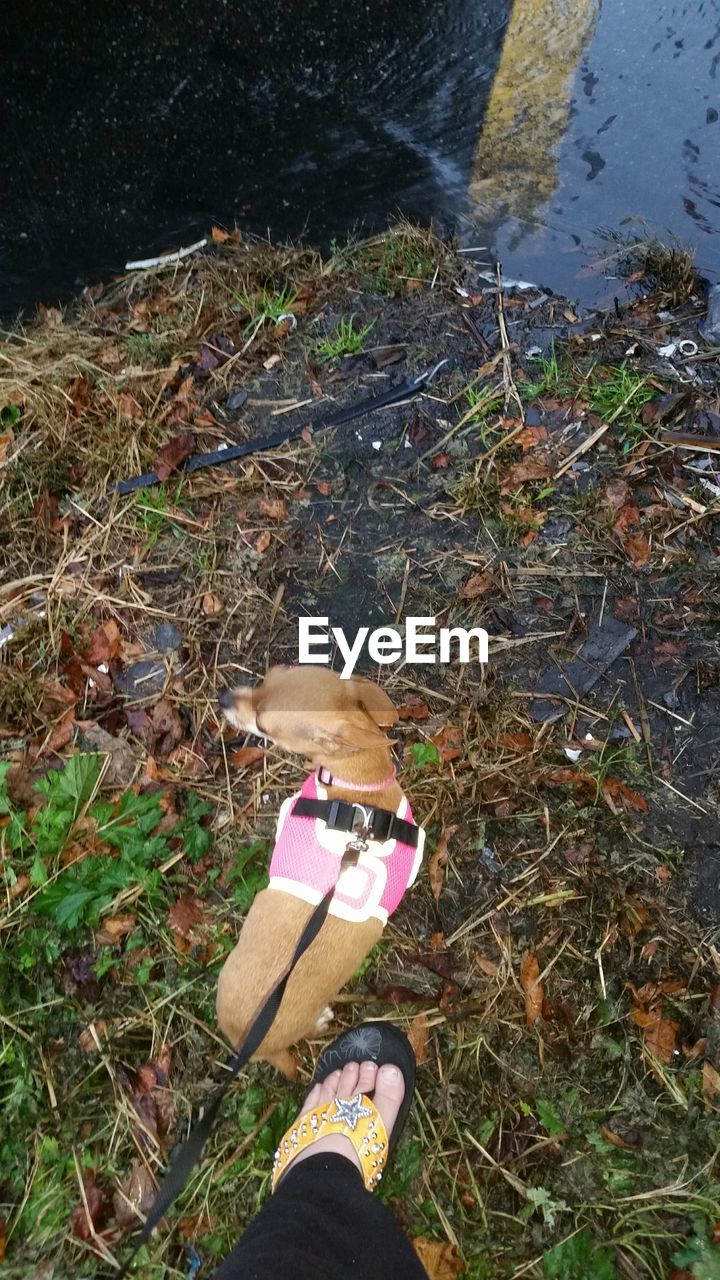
x,y
511,391
144,264
644,721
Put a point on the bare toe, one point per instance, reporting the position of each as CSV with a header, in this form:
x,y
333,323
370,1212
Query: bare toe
x,y
366,1077
348,1083
389,1093
328,1089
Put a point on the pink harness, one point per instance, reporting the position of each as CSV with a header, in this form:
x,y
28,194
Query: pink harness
x,y
306,860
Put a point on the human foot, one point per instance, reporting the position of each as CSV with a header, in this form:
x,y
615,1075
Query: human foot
x,y
385,1083
359,1105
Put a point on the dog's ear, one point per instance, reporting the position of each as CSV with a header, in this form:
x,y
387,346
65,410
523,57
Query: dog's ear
x,y
347,733
374,699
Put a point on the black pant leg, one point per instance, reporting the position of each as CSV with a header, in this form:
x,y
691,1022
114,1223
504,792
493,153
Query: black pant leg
x,y
322,1224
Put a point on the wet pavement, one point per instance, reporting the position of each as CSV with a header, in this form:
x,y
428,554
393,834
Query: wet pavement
x,y
527,127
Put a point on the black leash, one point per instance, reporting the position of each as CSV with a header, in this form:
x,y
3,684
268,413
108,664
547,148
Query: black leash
x,y
406,389
190,1153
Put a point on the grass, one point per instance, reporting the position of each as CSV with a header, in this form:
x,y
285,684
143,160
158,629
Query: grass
x,y
554,379
345,340
667,268
264,305
619,394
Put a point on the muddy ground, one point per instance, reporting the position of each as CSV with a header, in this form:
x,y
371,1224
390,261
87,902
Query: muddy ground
x,y
557,966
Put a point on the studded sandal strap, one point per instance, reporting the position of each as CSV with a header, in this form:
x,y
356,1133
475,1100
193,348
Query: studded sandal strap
x,y
356,1118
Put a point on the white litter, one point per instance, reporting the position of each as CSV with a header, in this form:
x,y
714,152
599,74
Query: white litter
x,y
377,445
507,283
144,264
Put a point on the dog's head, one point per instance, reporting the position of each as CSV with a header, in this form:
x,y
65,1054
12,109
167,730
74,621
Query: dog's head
x,y
312,712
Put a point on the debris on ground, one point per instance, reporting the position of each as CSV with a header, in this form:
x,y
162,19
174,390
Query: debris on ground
x,y
557,964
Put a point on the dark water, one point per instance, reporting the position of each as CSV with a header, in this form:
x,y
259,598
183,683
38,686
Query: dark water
x,y
526,126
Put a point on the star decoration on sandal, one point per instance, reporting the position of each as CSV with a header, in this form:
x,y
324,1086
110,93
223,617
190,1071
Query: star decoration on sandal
x,y
350,1110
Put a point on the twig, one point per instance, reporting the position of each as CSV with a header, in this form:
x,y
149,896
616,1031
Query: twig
x,y
144,264
511,391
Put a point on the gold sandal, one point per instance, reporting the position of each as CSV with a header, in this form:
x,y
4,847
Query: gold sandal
x,y
356,1118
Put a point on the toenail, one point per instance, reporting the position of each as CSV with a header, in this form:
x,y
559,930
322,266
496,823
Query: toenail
x,y
390,1074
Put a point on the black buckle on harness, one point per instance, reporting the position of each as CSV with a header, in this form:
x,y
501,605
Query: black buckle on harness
x,y
340,815
343,816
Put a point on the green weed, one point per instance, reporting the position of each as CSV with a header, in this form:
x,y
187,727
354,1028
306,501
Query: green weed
x,y
124,854
249,873
484,403
148,348
264,305
425,755
345,340
619,394
579,1258
10,415
554,379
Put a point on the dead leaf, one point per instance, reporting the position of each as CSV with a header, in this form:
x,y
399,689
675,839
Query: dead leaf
x,y
104,644
62,731
418,1033
488,967
529,469
134,1196
21,886
439,962
667,649
519,742
532,988
262,542
627,517
659,1033
88,1041
617,492
440,461
477,586
438,862
413,708
219,236
441,1260
211,604
623,795
274,508
245,756
114,928
90,1214
637,549
186,915
173,453
306,433
6,439
710,1086
128,406
167,725
397,994
628,1140
122,764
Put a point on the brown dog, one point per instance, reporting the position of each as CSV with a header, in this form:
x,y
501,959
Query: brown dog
x,y
338,725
